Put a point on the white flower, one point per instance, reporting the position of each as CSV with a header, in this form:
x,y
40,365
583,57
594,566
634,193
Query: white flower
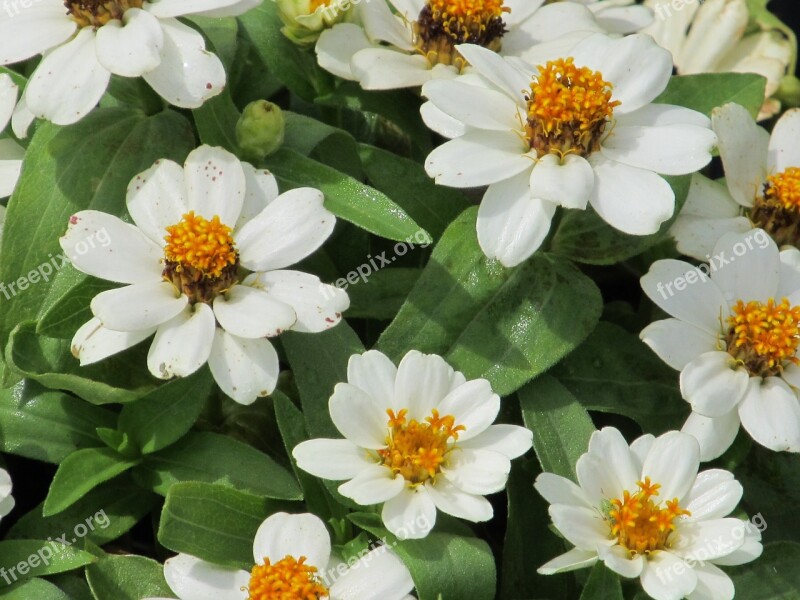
x,y
418,437
293,550
646,512
519,133
734,338
418,43
619,16
710,37
199,230
87,41
304,20
6,499
11,153
762,173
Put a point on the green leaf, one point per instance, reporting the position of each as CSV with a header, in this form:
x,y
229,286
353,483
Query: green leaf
x,y
66,313
450,561
506,325
80,472
102,515
433,206
214,523
216,122
220,460
331,146
84,166
584,237
615,372
23,559
773,576
40,589
118,379
345,197
127,578
706,91
163,416
319,362
382,294
561,426
47,425
603,584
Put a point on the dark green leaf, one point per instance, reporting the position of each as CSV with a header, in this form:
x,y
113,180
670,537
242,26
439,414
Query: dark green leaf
x,y
773,576
127,578
23,559
603,584
706,91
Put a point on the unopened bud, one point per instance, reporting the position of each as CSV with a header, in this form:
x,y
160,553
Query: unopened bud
x,y
260,129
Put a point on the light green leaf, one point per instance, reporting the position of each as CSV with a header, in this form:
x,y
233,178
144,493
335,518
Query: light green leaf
x,y
603,584
127,578
40,589
706,91
23,559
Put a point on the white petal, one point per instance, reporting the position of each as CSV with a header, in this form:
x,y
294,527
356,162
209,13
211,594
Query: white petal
x,y
8,99
754,274
598,479
374,373
93,342
696,236
521,10
69,81
660,115
373,485
751,547
384,69
560,490
569,561
215,184
440,122
479,158
712,584
474,405
138,306
714,435
317,306
250,313
423,380
178,8
567,182
474,106
551,22
183,344
618,559
670,150
381,25
673,461
743,149
511,224
583,527
477,471
686,293
11,155
635,201
188,74
261,188
509,440
190,577
32,30
132,49
22,118
513,81
358,416
336,47
103,246
157,199
378,574
783,152
411,514
676,342
666,577
244,369
331,459
282,535
770,412
713,383
610,447
714,494
707,539
290,228
640,448
453,501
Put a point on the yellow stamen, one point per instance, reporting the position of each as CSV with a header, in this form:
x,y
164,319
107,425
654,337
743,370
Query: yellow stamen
x,y
206,246
568,109
287,579
96,13
764,336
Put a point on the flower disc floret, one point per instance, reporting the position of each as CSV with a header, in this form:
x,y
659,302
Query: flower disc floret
x,y
96,13
568,109
287,579
777,210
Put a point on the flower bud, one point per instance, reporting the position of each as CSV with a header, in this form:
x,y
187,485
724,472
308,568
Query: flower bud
x,y
304,20
260,129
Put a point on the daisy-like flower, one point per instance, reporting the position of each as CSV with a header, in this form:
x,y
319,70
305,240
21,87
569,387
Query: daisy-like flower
x,y
646,512
762,174
580,129
418,42
710,37
84,42
733,335
6,499
292,555
417,437
11,153
618,16
204,267
304,20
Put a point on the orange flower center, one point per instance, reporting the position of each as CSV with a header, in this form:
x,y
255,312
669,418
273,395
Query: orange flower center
x,y
784,188
639,522
443,24
777,210
568,109
287,579
417,450
764,336
96,13
315,4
